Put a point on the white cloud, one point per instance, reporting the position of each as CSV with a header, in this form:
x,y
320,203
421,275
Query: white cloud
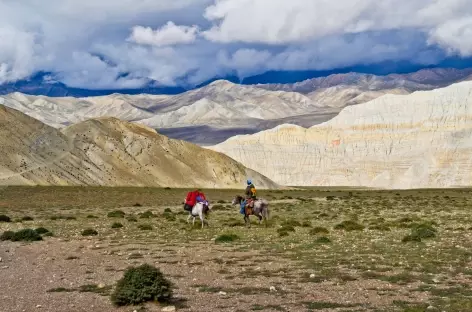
x,y
169,34
97,44
455,36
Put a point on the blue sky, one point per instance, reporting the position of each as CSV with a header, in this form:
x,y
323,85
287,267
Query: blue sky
x,y
125,43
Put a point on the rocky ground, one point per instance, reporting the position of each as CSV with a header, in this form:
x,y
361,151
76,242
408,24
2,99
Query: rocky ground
x,y
322,250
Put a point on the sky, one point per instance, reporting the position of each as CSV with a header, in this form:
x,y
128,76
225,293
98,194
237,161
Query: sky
x,y
126,43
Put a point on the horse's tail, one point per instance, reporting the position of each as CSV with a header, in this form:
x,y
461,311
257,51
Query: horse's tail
x,y
265,203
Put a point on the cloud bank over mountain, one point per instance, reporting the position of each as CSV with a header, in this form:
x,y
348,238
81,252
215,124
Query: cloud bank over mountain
x,y
125,44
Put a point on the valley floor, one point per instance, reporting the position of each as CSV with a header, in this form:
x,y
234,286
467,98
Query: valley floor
x,y
322,250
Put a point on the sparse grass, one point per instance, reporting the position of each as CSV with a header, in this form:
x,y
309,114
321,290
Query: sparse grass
x,y
300,239
349,226
116,214
145,227
227,238
319,230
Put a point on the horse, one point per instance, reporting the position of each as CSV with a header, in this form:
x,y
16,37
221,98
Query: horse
x,y
199,210
260,209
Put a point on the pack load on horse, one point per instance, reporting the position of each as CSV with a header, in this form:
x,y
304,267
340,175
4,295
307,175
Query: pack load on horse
x,y
192,198
197,205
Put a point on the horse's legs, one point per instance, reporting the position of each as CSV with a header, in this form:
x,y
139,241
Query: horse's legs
x,y
189,216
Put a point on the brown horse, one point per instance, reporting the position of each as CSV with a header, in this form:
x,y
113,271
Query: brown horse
x,y
260,208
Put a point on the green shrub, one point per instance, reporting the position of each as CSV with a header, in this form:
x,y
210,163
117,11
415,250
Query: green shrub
x,y
218,207
141,284
116,214
4,218
92,217
41,230
132,219
145,227
420,232
226,238
349,226
116,225
137,205
168,210
89,232
27,218
26,235
319,230
169,216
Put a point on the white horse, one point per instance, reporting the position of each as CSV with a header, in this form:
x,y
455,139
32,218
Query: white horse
x,y
199,210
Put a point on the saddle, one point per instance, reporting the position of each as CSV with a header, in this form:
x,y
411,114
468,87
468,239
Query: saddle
x,y
249,206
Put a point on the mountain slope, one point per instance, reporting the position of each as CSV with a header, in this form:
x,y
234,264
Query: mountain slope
x,y
423,139
110,152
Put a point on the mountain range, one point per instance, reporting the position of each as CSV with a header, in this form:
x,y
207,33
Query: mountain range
x,y
213,113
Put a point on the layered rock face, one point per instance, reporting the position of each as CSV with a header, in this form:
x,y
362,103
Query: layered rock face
x,y
423,139
109,152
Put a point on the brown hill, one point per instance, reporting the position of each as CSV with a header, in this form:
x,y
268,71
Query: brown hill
x,y
109,152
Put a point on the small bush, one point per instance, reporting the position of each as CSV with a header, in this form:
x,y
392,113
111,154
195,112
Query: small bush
x,y
89,232
170,217
306,224
221,201
26,235
137,205
4,218
116,214
145,227
168,210
349,226
322,240
92,217
420,232
132,219
319,230
41,230
27,218
226,238
283,233
146,215
141,284
116,225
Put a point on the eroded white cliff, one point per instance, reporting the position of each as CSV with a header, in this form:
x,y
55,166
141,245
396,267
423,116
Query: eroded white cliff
x,y
395,141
